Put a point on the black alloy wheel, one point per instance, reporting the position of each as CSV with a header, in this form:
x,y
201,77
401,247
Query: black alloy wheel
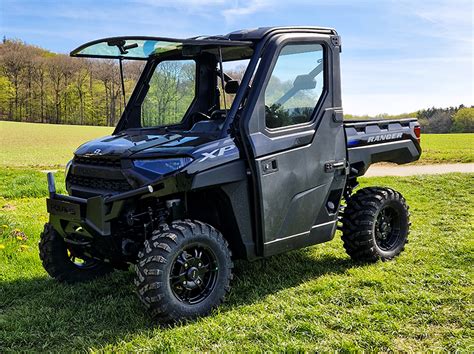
x,y
193,274
387,228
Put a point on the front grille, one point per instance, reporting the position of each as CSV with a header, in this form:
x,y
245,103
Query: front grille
x,y
96,175
97,161
99,184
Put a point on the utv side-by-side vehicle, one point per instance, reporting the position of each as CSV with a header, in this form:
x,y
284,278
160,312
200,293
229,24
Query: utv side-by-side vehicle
x,y
230,147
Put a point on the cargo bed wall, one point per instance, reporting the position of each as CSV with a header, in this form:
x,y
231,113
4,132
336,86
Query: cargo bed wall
x,y
372,141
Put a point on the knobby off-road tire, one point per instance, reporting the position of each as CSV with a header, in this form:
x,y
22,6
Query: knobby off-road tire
x,y
375,224
62,265
184,271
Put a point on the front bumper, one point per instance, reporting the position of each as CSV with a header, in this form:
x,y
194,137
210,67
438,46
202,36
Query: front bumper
x,y
92,217
88,218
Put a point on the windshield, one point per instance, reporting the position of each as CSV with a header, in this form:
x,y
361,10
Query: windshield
x,y
172,89
141,48
128,49
184,93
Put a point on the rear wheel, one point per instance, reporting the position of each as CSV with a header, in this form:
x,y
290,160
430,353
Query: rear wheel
x,y
375,224
62,264
184,271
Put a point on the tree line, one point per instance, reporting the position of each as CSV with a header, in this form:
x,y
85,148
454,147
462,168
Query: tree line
x,y
40,86
435,120
37,85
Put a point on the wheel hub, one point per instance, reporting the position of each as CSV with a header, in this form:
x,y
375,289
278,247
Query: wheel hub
x,y
387,228
193,274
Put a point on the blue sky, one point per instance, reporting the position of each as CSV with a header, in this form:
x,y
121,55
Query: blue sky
x,y
398,56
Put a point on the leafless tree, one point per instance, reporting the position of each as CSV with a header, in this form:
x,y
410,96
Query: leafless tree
x,y
80,80
57,65
13,56
39,78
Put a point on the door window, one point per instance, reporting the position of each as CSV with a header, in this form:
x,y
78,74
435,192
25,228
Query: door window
x,y
296,85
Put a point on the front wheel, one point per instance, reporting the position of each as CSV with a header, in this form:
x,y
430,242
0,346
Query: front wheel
x,y
62,264
184,271
375,224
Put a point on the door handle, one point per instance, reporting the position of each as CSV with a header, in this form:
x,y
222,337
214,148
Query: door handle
x,y
269,166
332,166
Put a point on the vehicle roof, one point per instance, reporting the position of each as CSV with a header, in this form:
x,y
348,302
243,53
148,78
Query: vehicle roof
x,y
253,34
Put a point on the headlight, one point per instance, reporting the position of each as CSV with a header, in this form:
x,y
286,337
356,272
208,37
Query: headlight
x,y
66,170
162,166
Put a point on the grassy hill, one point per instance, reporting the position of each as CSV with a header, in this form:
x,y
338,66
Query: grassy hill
x,y
49,145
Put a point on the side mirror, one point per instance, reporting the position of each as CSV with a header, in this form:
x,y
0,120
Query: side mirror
x,y
232,86
304,82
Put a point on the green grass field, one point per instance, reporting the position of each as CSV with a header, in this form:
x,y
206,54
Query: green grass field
x,y
311,299
315,299
49,145
43,145
447,148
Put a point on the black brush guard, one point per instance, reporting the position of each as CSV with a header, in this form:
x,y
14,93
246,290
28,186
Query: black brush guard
x,y
92,217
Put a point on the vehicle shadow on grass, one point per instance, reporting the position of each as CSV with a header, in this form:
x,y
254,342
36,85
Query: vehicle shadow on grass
x,y
254,281
39,313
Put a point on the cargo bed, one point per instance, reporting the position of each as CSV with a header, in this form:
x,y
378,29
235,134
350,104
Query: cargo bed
x,y
373,140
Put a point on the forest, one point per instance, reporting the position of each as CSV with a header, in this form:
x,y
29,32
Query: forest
x,y
37,85
40,86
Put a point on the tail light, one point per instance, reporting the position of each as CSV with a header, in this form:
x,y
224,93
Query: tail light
x,y
418,133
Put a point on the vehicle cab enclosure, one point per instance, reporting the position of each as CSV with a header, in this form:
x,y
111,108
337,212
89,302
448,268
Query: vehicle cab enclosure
x,y
244,132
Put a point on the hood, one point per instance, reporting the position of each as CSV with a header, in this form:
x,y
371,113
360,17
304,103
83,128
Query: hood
x,y
127,144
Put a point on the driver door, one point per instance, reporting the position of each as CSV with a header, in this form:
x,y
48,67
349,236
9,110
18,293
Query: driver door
x,y
297,141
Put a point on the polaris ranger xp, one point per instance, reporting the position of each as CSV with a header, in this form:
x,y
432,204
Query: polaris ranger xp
x,y
230,147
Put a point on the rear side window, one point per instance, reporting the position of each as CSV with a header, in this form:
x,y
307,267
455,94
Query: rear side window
x,y
171,92
295,86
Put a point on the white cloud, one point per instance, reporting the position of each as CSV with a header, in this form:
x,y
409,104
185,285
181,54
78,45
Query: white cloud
x,y
429,62
245,8
443,18
445,13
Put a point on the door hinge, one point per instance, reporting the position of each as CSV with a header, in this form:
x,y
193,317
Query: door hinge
x,y
336,42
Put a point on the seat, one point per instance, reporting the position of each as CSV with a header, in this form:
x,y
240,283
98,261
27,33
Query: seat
x,y
207,126
214,124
